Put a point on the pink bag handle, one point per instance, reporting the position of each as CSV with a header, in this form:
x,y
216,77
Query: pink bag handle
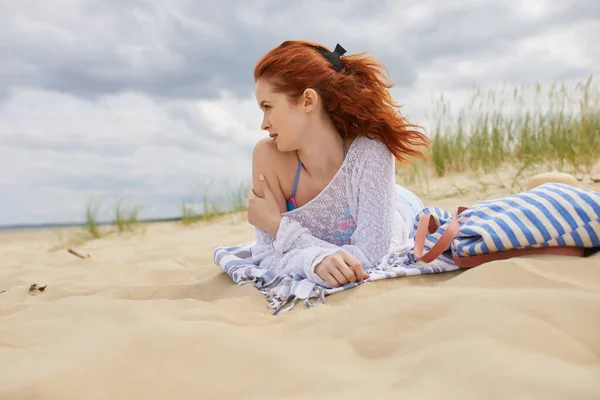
x,y
427,225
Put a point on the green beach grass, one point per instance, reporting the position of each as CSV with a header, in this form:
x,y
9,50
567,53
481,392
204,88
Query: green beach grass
x,y
526,127
123,220
100,223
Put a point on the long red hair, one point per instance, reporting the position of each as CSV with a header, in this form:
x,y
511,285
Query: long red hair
x,y
356,98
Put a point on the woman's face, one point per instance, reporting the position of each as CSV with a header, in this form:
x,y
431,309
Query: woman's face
x,y
284,120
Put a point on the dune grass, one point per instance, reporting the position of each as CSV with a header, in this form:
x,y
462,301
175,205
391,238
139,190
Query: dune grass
x,y
123,220
126,220
190,214
522,127
213,207
213,204
91,219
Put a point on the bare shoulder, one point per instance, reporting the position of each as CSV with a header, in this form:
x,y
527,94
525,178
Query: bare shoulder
x,y
265,148
278,167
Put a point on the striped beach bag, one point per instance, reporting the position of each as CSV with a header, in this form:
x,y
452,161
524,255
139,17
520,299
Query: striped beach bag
x,y
553,218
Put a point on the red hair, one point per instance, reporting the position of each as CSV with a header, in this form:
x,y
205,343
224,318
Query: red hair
x,y
356,98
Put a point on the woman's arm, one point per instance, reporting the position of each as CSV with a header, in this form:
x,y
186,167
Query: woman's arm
x,y
268,161
281,256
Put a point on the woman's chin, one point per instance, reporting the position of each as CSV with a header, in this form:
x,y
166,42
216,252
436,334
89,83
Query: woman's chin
x,y
282,147
279,145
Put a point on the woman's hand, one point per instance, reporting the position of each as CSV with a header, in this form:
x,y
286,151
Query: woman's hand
x,y
264,212
340,269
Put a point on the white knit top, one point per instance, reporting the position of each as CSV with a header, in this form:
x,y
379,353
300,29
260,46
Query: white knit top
x,y
356,213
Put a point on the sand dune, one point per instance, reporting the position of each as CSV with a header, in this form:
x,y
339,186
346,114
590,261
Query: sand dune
x,y
150,316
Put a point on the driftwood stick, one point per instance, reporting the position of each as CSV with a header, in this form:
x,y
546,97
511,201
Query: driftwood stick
x,y
75,253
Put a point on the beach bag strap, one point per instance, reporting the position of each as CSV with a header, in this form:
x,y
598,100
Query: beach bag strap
x,y
426,226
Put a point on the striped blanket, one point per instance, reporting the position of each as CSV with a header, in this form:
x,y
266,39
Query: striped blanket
x,y
284,291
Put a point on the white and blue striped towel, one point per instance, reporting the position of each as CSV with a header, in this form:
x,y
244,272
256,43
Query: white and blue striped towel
x,y
283,291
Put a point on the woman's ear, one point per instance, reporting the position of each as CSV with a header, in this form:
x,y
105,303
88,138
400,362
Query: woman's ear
x,y
310,100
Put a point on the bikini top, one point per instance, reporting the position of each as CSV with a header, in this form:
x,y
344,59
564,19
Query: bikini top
x,y
291,202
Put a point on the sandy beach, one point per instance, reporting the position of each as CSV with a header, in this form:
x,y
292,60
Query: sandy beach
x,y
149,315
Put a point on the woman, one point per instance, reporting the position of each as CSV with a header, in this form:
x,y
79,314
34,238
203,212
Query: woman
x,y
324,202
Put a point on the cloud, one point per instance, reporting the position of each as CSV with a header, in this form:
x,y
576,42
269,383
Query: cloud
x,y
183,50
124,145
187,49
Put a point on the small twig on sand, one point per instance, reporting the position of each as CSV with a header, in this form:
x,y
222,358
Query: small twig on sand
x,y
78,254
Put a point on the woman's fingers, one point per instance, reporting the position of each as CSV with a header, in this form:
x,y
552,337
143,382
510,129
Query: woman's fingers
x,y
340,269
330,280
339,276
348,273
354,264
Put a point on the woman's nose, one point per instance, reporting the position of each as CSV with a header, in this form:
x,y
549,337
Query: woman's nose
x,y
265,124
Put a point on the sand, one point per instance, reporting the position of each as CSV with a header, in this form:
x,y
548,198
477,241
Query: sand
x,y
150,316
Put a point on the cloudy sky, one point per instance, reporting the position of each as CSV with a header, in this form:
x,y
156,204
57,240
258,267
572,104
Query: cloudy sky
x,y
153,101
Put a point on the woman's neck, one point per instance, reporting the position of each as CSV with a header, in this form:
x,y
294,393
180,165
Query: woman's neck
x,y
323,153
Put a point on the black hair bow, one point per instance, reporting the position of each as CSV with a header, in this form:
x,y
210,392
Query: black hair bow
x,y
334,56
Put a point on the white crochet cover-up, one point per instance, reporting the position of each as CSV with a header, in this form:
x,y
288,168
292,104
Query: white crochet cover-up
x,y
357,212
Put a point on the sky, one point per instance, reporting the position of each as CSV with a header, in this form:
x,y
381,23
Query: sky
x,y
152,103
